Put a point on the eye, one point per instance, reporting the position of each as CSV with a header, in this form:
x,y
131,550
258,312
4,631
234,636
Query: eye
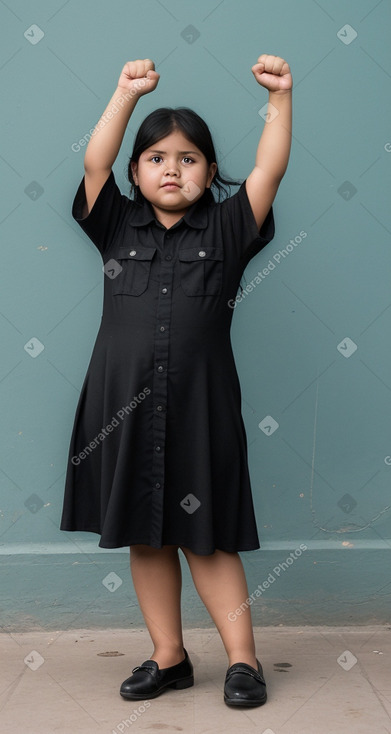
x,y
185,158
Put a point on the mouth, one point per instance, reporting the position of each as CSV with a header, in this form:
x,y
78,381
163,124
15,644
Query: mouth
x,y
170,186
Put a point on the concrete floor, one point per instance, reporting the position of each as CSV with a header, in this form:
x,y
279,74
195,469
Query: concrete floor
x,y
319,679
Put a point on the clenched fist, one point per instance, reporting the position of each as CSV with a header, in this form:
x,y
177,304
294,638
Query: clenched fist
x,y
273,73
139,77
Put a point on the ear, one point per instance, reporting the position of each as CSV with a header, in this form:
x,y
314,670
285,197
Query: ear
x,y
134,167
212,171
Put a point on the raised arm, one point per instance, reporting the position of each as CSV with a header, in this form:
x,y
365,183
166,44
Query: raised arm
x,y
272,156
137,78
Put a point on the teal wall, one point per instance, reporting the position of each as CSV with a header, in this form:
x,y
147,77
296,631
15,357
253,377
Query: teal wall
x,y
311,340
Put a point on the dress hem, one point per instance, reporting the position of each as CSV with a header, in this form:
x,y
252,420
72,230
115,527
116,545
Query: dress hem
x,y
127,544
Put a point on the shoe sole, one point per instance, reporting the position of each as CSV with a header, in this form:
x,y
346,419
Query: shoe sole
x,y
243,701
178,684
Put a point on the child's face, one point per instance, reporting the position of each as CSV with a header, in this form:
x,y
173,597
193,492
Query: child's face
x,y
173,159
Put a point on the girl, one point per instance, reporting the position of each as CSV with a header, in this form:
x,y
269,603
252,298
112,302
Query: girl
x,y
158,454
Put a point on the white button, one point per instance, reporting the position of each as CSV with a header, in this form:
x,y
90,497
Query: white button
x,y
132,252
202,253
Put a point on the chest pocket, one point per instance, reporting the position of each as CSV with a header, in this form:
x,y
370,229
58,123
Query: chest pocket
x,y
136,267
201,270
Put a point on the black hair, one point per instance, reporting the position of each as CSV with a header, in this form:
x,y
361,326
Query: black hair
x,y
162,122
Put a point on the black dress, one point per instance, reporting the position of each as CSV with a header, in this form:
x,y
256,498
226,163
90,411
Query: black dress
x,y
158,453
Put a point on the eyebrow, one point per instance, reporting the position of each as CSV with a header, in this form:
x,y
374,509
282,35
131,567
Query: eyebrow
x,y
182,152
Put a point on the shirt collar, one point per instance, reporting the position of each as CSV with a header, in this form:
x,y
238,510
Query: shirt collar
x,y
195,216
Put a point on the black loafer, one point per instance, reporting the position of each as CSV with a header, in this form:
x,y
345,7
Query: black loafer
x,y
148,680
245,686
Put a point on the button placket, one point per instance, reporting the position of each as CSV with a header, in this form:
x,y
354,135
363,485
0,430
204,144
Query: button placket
x,y
160,382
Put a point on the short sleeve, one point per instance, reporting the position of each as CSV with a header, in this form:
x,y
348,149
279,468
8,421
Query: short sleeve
x,y
241,224
103,222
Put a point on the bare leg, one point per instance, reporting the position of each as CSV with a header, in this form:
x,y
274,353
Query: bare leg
x,y
221,583
157,579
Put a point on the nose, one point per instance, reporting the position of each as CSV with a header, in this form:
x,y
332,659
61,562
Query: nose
x,y
171,168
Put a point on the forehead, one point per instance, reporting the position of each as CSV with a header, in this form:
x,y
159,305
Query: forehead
x,y
173,143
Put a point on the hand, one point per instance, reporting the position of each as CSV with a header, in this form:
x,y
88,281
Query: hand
x,y
273,73
139,77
